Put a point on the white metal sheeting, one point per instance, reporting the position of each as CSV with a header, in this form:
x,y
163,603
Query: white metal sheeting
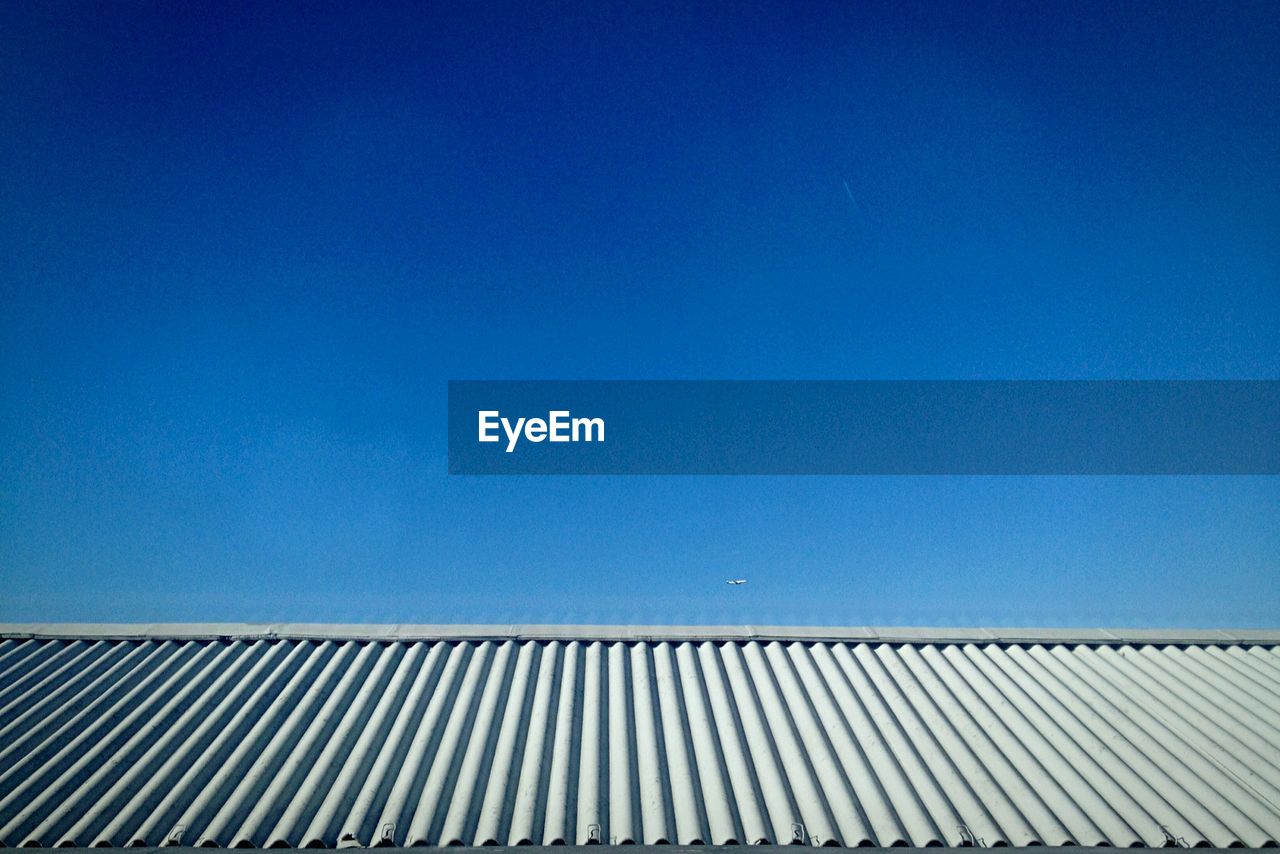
x,y
332,742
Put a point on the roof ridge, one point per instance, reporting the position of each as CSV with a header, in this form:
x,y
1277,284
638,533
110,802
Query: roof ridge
x,y
518,631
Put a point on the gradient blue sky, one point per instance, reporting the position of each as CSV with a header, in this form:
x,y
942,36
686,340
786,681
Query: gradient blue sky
x,y
243,248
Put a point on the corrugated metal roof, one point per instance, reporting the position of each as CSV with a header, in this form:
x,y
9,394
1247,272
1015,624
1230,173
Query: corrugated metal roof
x,y
333,741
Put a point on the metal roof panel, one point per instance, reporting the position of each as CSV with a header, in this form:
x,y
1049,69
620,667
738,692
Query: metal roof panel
x,y
293,736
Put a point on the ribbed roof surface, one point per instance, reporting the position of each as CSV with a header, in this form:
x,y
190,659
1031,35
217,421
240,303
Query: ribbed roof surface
x,y
345,742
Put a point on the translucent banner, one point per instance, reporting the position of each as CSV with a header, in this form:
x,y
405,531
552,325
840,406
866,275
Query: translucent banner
x,y
865,427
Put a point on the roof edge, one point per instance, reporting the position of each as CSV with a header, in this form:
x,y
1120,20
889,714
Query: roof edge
x,y
593,849
517,631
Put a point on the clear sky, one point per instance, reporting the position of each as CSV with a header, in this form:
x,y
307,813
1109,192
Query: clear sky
x,y
243,248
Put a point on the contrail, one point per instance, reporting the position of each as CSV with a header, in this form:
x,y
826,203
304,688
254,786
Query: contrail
x,y
851,198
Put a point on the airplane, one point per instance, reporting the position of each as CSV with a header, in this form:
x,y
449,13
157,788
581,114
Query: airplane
x,y
736,581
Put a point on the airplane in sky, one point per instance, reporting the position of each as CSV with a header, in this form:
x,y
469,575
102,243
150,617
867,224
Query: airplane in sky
x,y
736,581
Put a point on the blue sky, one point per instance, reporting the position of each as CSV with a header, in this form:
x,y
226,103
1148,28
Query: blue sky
x,y
243,248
